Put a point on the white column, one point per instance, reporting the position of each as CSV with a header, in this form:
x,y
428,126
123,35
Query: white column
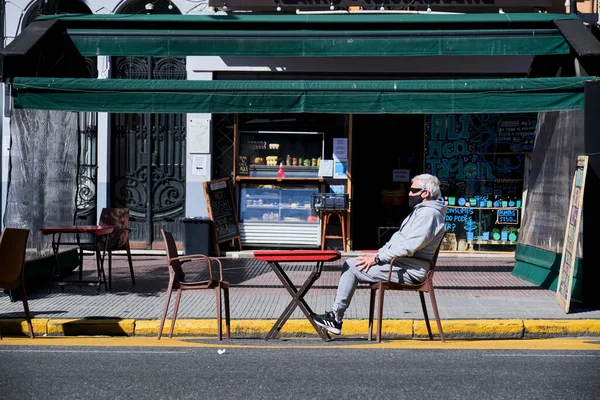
x,y
198,155
103,145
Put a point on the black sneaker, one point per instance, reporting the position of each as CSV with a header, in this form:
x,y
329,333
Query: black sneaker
x,y
328,322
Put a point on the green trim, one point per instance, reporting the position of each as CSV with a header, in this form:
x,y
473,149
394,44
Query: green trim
x,y
304,43
511,18
299,96
542,267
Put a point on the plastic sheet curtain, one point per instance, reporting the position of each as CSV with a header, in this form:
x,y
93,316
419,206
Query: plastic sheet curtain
x,y
42,179
559,140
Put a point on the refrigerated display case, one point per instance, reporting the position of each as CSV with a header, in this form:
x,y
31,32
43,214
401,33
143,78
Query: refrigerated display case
x,y
279,214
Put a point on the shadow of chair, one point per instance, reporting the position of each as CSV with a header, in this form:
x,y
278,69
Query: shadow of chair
x,y
13,245
177,282
117,240
424,287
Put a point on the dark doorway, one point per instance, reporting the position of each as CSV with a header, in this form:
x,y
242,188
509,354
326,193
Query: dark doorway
x,y
381,144
148,158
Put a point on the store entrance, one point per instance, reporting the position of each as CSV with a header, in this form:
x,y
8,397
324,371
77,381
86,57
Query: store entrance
x,y
380,145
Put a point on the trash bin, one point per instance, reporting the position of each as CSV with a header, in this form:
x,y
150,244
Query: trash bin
x,y
197,237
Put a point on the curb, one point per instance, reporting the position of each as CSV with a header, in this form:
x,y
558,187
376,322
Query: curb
x,y
252,328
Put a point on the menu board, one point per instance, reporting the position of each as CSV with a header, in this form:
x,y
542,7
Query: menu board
x,y
221,210
569,255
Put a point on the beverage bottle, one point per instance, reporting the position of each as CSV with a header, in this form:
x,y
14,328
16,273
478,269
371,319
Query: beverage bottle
x,y
281,172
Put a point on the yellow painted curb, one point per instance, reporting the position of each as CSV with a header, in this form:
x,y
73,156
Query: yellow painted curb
x,y
183,327
558,328
472,329
97,327
260,328
390,328
252,328
19,326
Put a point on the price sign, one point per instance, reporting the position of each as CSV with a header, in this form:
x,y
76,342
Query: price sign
x,y
508,216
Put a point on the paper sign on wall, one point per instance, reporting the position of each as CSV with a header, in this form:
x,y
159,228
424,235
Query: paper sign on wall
x,y
198,134
199,164
326,169
340,170
340,148
401,175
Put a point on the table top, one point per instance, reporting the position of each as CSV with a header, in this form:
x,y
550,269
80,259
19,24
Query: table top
x,y
297,255
95,229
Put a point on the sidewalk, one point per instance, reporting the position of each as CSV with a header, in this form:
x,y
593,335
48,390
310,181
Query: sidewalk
x,y
477,297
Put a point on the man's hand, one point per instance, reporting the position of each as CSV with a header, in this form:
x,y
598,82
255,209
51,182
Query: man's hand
x,y
365,262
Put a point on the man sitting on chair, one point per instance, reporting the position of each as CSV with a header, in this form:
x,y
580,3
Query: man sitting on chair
x,y
418,237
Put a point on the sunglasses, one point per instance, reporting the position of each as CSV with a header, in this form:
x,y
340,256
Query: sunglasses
x,y
416,190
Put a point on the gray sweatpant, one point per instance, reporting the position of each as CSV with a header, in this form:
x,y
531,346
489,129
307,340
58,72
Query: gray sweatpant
x,y
351,276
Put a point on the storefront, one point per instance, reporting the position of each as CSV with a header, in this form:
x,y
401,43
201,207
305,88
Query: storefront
x,y
383,93
481,159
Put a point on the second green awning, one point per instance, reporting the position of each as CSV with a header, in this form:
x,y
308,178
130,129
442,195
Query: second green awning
x,y
300,96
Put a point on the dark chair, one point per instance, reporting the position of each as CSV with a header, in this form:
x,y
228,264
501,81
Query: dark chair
x,y
177,282
117,240
425,287
13,245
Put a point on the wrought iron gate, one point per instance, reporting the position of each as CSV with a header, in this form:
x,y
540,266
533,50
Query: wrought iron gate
x,y
148,157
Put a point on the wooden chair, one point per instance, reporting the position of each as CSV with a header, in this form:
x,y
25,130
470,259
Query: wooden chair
x,y
425,287
13,244
118,240
177,282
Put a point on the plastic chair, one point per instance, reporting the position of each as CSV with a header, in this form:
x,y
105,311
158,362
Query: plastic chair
x,y
177,282
425,287
13,245
117,240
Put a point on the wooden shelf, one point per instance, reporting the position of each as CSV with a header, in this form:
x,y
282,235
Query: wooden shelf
x,y
248,178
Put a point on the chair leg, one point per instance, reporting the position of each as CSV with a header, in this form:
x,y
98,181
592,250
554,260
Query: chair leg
x,y
437,315
166,308
227,316
219,315
422,296
100,269
80,264
380,313
26,308
175,311
127,248
109,270
371,309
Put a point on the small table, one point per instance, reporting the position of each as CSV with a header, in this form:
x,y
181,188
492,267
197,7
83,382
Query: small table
x,y
97,231
318,257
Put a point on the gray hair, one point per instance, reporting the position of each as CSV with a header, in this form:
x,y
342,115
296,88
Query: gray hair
x,y
430,183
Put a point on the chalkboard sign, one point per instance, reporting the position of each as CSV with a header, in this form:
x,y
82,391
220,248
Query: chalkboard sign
x,y
508,216
221,210
569,255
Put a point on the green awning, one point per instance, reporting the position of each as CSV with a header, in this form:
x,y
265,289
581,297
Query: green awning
x,y
301,96
317,43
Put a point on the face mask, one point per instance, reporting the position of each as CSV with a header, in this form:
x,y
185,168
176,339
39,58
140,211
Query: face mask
x,y
414,200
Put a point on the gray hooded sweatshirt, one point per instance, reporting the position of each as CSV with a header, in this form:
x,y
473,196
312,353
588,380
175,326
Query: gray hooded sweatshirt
x,y
417,239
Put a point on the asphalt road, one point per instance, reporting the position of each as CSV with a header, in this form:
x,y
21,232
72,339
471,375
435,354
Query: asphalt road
x,y
286,371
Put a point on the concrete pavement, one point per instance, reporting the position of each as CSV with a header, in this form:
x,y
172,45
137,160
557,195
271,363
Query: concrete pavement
x,y
477,297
